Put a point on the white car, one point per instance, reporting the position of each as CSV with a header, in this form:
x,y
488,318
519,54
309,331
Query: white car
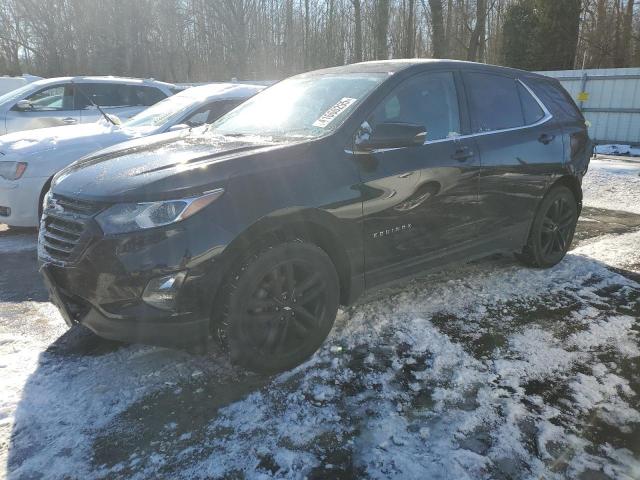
x,y
28,160
11,83
70,100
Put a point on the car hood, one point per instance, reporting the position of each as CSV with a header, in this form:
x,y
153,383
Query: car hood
x,y
171,165
95,135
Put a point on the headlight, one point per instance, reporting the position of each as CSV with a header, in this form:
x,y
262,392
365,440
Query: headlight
x,y
129,217
12,170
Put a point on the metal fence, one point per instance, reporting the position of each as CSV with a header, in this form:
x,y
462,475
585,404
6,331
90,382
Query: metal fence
x,y
609,99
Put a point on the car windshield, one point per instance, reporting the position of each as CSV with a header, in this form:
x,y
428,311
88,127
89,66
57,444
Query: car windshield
x,y
16,94
162,112
306,106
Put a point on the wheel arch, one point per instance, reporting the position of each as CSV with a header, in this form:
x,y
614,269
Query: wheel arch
x,y
43,192
315,226
572,183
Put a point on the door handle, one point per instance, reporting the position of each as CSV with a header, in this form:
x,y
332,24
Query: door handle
x,y
546,138
69,121
462,154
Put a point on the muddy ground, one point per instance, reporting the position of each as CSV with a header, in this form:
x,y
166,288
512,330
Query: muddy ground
x,y
452,376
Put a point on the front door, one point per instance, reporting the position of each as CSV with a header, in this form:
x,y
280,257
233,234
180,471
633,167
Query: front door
x,y
420,202
50,107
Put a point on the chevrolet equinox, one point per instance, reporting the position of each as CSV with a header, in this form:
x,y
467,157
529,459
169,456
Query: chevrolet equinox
x,y
253,230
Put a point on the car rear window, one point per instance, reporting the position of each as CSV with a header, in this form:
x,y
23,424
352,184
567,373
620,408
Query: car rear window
x,y
494,101
530,108
556,99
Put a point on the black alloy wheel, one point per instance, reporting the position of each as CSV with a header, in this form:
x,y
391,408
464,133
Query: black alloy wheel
x,y
280,307
552,229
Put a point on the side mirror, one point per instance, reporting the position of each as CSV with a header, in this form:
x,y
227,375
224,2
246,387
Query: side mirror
x,y
393,135
179,126
23,105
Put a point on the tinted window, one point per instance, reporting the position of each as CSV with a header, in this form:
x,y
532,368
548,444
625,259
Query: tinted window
x,y
556,99
211,112
494,102
55,98
429,100
530,108
102,94
145,96
116,95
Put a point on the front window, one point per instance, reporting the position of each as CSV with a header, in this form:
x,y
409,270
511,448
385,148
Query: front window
x,y
17,94
162,112
305,106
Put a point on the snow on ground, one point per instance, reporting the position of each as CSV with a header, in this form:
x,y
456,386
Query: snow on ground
x,y
488,370
617,149
613,184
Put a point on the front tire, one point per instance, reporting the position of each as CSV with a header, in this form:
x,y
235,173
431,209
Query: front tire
x,y
280,305
552,229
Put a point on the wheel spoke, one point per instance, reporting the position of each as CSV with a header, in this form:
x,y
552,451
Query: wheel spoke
x,y
547,224
311,294
548,246
261,316
307,283
566,218
561,241
274,336
261,304
304,316
290,279
275,283
300,327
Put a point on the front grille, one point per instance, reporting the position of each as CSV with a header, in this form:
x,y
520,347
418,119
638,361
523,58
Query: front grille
x,y
64,226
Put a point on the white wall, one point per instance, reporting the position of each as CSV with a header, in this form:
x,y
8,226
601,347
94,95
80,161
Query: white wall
x,y
613,107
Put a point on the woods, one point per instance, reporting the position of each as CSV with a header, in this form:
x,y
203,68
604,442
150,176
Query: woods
x,y
199,40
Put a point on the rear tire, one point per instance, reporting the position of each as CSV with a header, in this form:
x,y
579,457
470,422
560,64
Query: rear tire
x,y
279,306
552,229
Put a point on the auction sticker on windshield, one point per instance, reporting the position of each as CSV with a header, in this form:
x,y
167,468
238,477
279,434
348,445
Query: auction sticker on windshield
x,y
331,114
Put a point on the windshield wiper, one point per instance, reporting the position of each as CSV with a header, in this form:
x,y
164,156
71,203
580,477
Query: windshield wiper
x,y
107,117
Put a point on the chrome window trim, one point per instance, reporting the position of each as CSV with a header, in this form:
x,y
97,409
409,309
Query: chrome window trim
x,y
547,116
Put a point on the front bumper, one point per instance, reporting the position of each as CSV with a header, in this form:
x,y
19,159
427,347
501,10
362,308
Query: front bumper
x,y
22,197
102,284
149,326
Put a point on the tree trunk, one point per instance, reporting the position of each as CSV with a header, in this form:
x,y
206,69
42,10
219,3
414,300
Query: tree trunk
x,y
627,25
306,34
478,34
357,41
437,25
410,31
382,29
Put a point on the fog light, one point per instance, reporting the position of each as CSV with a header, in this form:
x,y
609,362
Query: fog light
x,y
161,292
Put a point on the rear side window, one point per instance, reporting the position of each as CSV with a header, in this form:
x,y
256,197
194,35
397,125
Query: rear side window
x,y
429,100
530,108
116,95
145,96
102,94
494,101
556,99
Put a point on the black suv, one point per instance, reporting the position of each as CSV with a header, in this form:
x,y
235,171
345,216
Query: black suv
x,y
254,229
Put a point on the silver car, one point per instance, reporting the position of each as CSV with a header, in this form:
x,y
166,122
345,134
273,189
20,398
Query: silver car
x,y
70,100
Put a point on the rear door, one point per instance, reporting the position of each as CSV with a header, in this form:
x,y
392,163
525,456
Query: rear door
x,y
420,201
520,148
115,98
51,106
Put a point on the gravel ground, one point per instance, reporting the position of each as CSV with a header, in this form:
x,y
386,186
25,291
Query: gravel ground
x,y
488,370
